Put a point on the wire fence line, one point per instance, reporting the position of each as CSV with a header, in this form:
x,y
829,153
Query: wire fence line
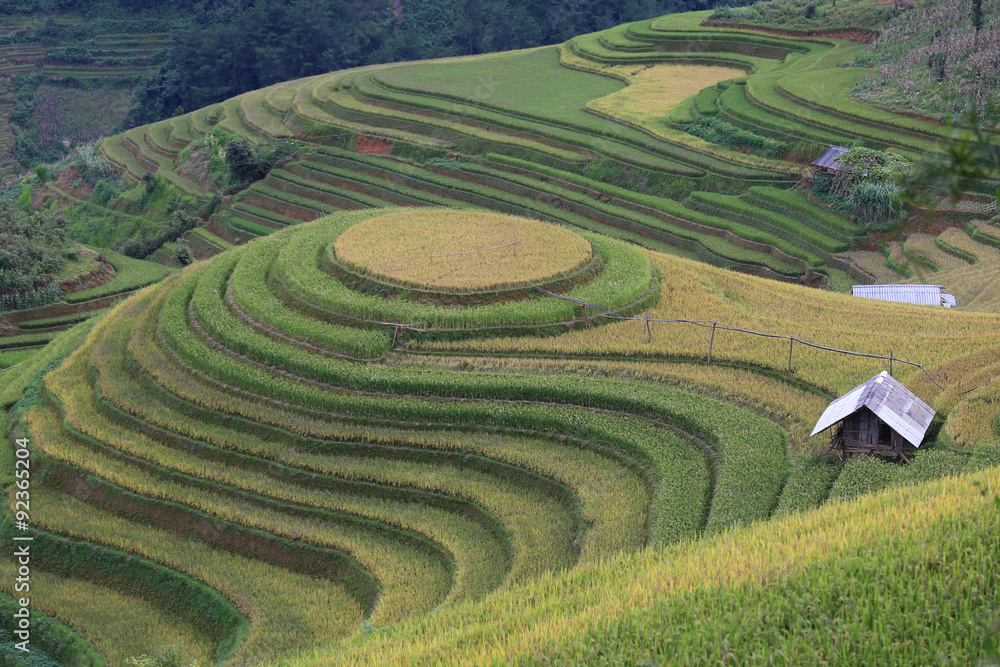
x,y
469,252
721,326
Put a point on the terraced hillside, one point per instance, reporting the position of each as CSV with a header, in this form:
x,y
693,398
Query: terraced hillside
x,y
962,259
458,386
85,66
590,134
26,331
214,462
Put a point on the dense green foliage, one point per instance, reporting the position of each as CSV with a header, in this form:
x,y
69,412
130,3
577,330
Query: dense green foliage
x,y
247,164
718,131
817,15
33,249
870,179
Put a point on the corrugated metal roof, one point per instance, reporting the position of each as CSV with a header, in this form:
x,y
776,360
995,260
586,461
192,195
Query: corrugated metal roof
x,y
921,295
831,158
894,404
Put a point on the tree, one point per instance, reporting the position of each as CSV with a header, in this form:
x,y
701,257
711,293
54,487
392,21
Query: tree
x,y
33,248
242,160
469,26
183,254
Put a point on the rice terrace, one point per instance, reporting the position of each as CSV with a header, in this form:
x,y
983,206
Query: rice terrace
x,y
497,346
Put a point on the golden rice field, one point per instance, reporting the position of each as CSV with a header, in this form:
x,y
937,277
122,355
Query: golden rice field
x,y
181,399
654,91
317,462
794,408
944,340
976,286
443,249
594,609
102,609
873,263
924,247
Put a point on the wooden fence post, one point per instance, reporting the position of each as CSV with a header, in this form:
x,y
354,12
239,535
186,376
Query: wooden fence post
x,y
791,342
711,343
890,363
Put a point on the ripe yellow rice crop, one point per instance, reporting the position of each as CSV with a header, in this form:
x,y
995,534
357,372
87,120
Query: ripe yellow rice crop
x,y
940,338
422,247
100,609
655,90
873,263
795,409
923,246
511,626
974,286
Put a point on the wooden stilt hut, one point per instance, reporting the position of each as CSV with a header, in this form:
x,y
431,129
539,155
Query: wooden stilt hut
x,y
880,416
829,162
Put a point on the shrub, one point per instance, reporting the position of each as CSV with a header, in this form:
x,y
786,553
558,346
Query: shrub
x,y
241,160
878,204
183,254
105,190
149,239
172,657
247,164
24,199
92,165
33,248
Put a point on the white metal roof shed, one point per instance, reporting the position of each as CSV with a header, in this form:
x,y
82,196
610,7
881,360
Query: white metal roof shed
x,y
893,403
921,295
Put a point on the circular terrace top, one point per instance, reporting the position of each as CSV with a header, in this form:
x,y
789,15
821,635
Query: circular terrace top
x,y
461,250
